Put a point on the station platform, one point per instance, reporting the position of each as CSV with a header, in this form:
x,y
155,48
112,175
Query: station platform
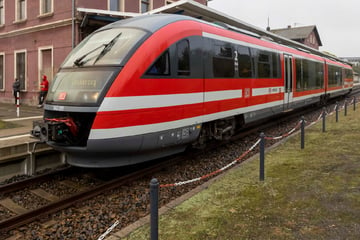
x,y
21,154
18,133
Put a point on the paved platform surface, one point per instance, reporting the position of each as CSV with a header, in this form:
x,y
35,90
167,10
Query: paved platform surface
x,y
23,124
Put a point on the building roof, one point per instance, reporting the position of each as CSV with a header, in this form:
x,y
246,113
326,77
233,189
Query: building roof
x,y
298,33
351,59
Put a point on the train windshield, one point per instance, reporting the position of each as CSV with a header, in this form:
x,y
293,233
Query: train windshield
x,y
107,47
84,87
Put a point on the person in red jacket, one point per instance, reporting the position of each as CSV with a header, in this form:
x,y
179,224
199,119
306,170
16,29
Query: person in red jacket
x,y
44,87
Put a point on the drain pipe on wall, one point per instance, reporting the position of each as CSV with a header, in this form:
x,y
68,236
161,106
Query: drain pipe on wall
x,y
73,25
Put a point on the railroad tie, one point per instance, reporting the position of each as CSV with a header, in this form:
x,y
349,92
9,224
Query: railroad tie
x,y
12,206
45,195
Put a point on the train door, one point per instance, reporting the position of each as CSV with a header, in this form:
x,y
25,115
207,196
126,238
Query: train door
x,y
288,84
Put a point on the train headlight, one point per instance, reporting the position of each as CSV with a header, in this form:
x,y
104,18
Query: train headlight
x,y
88,97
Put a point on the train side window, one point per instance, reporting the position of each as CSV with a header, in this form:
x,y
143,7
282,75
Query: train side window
x,y
315,75
335,76
319,68
348,73
309,75
161,66
223,62
244,62
263,64
183,56
276,65
299,75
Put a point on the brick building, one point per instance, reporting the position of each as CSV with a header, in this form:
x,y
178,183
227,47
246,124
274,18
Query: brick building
x,y
307,35
37,35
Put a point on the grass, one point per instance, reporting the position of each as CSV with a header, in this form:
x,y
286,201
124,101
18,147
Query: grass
x,y
312,193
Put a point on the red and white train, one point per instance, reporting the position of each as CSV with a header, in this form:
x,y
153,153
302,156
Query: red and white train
x,y
147,87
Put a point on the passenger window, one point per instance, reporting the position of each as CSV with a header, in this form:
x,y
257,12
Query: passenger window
x,y
161,65
276,65
267,63
244,62
334,76
263,64
183,55
223,62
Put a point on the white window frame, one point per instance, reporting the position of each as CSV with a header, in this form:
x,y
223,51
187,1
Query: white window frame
x,y
40,49
3,70
15,65
121,4
150,5
2,16
41,10
17,17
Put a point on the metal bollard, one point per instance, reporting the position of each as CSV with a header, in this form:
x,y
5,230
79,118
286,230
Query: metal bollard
x,y
337,111
262,157
323,119
354,103
17,104
302,132
345,112
154,209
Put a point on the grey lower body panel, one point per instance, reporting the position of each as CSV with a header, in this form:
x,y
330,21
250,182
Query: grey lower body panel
x,y
117,159
115,152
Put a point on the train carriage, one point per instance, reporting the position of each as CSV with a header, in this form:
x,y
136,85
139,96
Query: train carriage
x,y
150,86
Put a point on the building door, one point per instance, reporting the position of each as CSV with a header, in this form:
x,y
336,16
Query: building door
x,y
288,84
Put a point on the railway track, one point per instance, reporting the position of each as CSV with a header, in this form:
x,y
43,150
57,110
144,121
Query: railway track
x,y
20,216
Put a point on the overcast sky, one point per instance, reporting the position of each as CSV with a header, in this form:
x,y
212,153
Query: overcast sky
x,y
338,22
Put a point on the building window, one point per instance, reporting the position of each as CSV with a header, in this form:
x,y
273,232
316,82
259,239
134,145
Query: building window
x,y
21,10
46,62
2,71
2,12
116,5
20,68
46,6
145,6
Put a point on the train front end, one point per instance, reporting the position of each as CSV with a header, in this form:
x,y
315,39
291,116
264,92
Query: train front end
x,y
78,90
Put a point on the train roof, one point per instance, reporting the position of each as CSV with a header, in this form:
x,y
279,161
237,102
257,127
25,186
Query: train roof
x,y
150,23
191,10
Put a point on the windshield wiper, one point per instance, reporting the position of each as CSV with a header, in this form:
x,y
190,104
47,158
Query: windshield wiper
x,y
80,61
107,47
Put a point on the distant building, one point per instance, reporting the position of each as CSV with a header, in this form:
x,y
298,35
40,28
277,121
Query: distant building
x,y
355,61
308,35
37,35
